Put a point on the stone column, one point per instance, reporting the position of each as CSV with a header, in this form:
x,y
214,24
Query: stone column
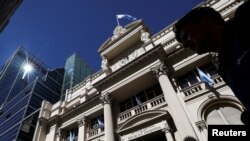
x,y
108,119
40,131
177,111
81,129
201,125
167,130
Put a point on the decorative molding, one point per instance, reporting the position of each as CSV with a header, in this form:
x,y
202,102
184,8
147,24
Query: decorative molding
x,y
160,69
166,128
201,124
118,31
106,99
145,36
105,64
81,121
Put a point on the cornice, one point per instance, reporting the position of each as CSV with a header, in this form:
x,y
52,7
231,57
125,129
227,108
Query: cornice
x,y
157,52
72,112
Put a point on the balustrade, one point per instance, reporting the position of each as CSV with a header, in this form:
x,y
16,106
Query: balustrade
x,y
198,87
95,132
147,105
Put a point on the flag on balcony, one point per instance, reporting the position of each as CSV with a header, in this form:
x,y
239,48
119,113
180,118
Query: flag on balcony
x,y
138,101
71,136
100,123
205,78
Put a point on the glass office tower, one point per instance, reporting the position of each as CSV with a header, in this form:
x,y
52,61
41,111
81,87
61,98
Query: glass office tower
x,y
76,69
21,97
11,74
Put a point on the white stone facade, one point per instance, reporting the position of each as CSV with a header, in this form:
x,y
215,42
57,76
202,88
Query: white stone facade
x,y
147,89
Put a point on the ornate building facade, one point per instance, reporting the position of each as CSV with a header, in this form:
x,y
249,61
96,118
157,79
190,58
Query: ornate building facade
x,y
148,89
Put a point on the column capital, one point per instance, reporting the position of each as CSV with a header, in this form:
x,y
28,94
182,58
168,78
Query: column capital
x,y
160,69
60,132
201,124
81,121
166,129
106,99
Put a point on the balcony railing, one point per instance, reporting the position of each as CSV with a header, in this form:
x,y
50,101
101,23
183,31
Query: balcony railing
x,y
200,86
148,105
94,132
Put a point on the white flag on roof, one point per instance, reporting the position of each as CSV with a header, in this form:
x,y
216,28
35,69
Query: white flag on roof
x,y
120,16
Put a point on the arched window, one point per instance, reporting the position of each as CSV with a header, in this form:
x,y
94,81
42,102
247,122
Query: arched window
x,y
223,113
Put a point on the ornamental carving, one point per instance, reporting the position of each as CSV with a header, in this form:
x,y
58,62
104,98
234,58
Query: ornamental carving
x,y
105,64
159,69
106,99
81,121
119,30
144,36
166,129
201,124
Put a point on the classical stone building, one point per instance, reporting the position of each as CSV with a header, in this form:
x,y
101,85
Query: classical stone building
x,y
148,89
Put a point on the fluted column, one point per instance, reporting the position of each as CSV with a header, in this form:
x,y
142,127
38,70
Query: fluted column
x,y
177,111
167,131
81,129
108,119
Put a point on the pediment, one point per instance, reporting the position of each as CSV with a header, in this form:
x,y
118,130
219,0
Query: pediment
x,y
141,119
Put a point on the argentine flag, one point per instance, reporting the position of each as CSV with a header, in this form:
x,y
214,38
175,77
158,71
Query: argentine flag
x,y
71,136
100,123
129,17
138,101
205,78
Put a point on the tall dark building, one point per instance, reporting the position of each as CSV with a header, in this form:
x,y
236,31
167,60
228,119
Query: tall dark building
x,y
7,8
22,95
11,74
76,69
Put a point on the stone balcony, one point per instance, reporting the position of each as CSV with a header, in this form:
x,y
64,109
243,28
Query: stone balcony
x,y
200,87
148,105
95,133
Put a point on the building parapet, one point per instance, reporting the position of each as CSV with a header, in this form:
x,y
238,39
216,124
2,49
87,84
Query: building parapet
x,y
151,104
95,133
200,88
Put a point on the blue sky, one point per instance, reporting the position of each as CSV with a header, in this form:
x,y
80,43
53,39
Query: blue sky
x,y
52,30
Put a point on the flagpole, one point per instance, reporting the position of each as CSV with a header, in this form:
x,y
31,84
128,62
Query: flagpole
x,y
117,21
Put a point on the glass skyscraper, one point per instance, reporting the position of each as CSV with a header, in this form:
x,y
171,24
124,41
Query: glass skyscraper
x,y
11,74
76,69
21,97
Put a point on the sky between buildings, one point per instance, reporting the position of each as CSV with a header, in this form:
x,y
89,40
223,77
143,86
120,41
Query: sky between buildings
x,y
53,30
